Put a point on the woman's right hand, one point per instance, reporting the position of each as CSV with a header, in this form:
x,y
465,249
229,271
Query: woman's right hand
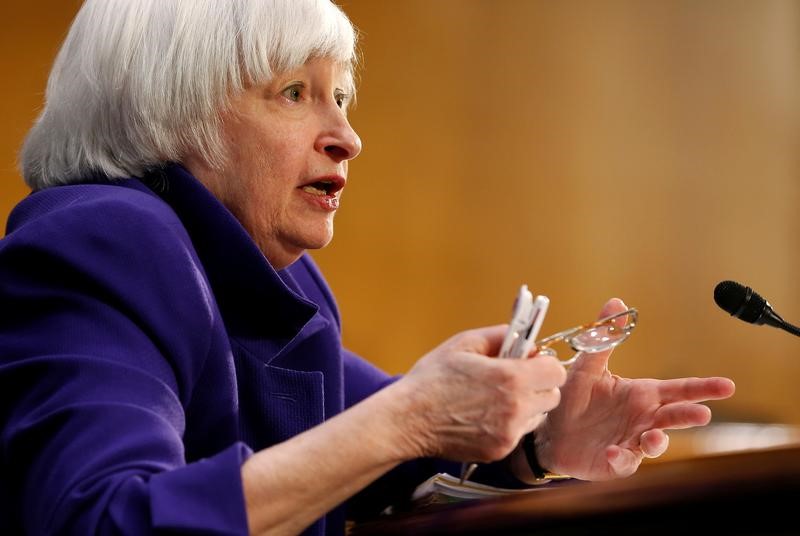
x,y
463,406
455,403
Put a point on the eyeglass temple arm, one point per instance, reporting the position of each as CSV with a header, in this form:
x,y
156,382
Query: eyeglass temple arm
x,y
561,335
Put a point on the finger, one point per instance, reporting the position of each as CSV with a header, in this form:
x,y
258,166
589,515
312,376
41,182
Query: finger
x,y
592,364
485,340
535,421
695,389
546,400
544,372
612,306
653,443
533,406
681,415
596,363
623,462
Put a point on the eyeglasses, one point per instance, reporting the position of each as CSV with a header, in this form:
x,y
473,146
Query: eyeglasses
x,y
604,334
598,336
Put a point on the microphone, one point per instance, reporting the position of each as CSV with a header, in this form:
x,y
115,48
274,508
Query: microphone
x,y
746,304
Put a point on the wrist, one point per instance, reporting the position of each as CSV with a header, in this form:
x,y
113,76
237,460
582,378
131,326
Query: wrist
x,y
541,448
403,412
531,457
526,465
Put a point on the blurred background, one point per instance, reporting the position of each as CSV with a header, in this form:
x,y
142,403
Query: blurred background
x,y
588,149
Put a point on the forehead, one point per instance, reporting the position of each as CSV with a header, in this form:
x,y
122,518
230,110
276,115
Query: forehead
x,y
323,69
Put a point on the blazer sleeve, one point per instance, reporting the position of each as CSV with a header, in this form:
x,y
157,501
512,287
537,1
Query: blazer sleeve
x,y
105,325
362,379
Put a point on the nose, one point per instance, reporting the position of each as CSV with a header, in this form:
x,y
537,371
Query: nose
x,y
339,141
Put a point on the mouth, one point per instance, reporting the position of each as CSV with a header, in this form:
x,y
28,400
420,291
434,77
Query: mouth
x,y
325,186
324,191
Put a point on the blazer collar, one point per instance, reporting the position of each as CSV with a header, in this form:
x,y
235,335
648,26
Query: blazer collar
x,y
259,310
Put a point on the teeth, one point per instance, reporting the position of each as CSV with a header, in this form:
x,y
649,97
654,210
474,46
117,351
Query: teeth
x,y
316,191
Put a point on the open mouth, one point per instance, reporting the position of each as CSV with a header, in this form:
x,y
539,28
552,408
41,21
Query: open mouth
x,y
324,187
321,188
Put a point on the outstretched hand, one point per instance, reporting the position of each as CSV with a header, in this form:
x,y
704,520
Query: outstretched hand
x,y
606,425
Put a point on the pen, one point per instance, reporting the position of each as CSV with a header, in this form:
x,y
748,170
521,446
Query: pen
x,y
523,329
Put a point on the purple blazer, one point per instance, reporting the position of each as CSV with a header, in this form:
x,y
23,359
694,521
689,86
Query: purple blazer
x,y
146,349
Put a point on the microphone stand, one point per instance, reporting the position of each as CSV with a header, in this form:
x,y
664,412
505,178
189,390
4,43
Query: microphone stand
x,y
773,319
794,330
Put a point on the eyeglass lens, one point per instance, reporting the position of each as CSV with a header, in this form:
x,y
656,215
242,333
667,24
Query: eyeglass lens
x,y
598,337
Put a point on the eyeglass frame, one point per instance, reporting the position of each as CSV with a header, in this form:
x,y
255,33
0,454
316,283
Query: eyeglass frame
x,y
543,345
568,335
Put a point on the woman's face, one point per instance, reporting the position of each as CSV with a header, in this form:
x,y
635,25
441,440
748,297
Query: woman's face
x,y
288,143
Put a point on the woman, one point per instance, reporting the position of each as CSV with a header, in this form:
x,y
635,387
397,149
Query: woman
x,y
171,358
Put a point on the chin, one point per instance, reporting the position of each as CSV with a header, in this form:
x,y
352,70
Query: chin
x,y
319,244
314,240
290,244
318,238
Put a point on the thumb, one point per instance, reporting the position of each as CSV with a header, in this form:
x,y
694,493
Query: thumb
x,y
612,306
592,364
596,363
485,340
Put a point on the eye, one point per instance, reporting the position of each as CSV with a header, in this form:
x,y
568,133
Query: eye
x,y
294,92
341,99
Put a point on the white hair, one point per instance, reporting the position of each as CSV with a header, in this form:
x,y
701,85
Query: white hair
x,y
139,82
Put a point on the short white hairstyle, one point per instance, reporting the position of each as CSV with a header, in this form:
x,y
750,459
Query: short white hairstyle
x,y
138,83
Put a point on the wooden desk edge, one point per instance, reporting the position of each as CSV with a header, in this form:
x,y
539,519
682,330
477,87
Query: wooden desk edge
x,y
674,484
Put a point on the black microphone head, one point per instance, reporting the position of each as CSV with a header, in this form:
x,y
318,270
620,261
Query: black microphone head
x,y
740,301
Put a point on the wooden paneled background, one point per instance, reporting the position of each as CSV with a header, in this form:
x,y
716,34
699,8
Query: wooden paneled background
x,y
640,149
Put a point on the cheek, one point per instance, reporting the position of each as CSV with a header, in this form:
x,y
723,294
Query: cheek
x,y
269,176
283,163
263,148
266,162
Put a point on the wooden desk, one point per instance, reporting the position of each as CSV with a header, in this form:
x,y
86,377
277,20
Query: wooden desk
x,y
753,492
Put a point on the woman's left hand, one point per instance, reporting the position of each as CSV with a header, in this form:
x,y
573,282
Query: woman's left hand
x,y
606,425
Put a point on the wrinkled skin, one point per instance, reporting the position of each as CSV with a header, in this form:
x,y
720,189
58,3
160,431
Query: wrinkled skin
x,y
590,424
606,425
465,406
